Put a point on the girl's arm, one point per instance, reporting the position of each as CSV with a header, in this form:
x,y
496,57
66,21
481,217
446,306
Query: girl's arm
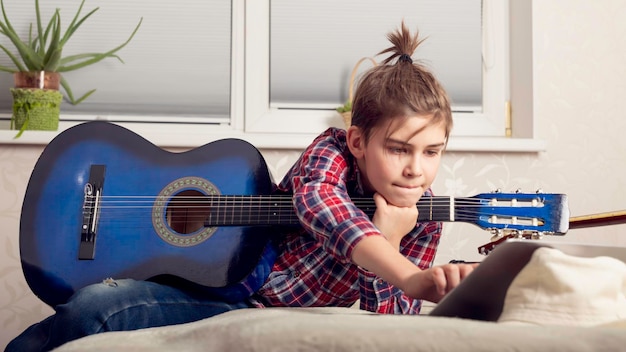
x,y
377,255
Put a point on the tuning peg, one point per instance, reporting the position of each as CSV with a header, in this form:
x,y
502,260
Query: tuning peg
x,y
516,234
539,191
519,190
496,234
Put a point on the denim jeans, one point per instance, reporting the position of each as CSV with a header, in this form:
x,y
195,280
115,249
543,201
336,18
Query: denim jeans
x,y
118,305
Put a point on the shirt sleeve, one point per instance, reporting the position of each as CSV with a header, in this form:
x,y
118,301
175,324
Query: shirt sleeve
x,y
376,295
320,196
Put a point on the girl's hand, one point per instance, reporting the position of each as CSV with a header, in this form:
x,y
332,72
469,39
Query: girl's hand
x,y
434,283
392,221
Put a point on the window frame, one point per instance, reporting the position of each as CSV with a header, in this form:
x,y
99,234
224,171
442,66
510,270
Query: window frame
x,y
261,116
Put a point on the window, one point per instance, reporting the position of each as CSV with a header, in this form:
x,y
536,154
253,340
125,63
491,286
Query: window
x,y
310,40
272,71
164,74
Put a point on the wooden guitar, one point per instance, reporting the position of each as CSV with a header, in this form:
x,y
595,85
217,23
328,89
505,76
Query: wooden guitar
x,y
600,219
104,202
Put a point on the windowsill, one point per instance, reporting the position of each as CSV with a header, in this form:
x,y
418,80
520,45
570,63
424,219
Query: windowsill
x,y
182,136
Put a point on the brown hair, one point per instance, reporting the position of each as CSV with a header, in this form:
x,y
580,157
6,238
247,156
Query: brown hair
x,y
397,90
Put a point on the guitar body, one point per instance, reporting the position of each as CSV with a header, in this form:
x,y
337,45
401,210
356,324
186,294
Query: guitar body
x,y
136,241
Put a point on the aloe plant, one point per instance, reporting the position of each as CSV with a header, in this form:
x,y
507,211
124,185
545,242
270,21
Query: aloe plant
x,y
42,51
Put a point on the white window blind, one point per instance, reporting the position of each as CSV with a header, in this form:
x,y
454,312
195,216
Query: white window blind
x,y
316,43
178,63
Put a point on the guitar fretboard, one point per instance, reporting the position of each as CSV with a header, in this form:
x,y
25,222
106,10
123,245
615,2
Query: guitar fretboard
x,y
278,210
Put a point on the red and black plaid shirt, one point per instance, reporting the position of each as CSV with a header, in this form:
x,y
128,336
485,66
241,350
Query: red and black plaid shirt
x,y
313,266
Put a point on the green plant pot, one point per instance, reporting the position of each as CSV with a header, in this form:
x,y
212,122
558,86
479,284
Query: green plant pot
x,y
35,109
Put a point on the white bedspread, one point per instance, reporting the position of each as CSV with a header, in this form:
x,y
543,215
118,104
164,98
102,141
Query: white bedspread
x,y
556,302
346,329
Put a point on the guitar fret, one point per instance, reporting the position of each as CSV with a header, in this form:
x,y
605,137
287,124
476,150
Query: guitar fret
x,y
431,209
434,209
451,217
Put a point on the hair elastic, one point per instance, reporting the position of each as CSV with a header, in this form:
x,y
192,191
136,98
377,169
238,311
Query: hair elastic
x,y
405,57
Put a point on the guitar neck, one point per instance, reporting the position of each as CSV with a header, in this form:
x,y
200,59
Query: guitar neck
x,y
278,210
601,219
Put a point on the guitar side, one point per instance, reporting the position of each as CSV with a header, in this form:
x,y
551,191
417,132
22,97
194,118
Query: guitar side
x,y
126,240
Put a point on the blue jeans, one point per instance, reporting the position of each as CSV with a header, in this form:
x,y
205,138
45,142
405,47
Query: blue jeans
x,y
118,305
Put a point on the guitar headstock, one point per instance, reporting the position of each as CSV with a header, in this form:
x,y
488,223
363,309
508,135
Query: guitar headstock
x,y
525,213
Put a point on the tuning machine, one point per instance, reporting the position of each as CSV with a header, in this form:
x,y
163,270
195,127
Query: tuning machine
x,y
499,236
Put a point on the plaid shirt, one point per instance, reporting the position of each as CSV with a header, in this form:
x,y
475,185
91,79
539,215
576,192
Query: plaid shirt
x,y
313,267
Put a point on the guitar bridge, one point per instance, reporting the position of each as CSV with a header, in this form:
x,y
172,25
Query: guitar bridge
x,y
91,210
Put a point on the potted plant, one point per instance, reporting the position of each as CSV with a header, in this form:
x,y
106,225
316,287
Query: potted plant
x,y
346,112
39,65
346,109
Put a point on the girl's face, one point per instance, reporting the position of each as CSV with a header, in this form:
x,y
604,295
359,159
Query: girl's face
x,y
401,159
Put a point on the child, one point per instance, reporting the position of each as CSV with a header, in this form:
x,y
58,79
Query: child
x,y
400,126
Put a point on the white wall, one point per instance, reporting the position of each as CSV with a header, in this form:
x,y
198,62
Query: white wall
x,y
580,84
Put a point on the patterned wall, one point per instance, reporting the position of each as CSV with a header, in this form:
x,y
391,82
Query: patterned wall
x,y
580,84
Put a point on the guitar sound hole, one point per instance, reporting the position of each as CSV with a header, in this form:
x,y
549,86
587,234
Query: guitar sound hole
x,y
187,211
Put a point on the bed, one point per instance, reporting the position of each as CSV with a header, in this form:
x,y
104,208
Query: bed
x,y
346,329
544,300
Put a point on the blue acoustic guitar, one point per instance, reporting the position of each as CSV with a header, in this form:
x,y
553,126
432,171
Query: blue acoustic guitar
x,y
104,202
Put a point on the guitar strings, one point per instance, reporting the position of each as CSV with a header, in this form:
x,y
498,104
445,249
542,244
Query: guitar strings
x,y
230,200
123,202
201,205
237,210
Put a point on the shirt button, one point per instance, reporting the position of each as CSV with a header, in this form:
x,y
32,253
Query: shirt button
x,y
379,281
296,274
